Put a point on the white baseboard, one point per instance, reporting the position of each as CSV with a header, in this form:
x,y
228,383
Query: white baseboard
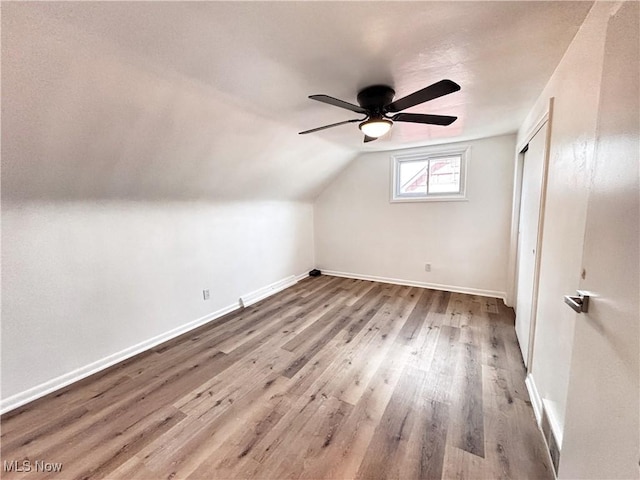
x,y
412,283
540,408
264,292
57,383
554,423
536,401
22,398
301,276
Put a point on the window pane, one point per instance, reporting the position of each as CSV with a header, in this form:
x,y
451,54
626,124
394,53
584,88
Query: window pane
x,y
444,175
413,177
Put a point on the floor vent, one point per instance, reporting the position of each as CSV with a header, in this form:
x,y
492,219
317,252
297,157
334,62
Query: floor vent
x,y
550,438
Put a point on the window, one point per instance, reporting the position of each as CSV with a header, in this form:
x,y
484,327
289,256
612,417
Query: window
x,y
428,176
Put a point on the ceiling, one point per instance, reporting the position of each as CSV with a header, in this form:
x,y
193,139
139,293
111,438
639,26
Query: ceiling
x,y
205,99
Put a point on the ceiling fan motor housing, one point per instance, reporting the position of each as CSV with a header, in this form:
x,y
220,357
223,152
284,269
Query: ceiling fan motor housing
x,y
375,98
376,102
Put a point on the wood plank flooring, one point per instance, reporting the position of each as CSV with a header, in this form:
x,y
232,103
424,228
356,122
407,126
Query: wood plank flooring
x,y
330,379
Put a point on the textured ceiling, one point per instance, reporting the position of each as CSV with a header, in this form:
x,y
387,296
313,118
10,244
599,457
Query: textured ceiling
x,y
205,99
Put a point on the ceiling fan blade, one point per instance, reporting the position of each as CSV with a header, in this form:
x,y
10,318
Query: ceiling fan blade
x,y
369,139
438,89
330,126
424,118
338,103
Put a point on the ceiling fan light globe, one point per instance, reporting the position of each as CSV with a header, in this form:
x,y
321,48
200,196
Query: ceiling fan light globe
x,y
376,127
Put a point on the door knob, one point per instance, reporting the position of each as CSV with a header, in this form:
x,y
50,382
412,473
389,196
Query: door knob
x,y
579,303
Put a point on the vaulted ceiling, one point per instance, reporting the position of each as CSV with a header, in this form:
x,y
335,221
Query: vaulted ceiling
x,y
184,100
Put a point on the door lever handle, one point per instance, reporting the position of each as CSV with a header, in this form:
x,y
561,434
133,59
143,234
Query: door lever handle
x,y
579,303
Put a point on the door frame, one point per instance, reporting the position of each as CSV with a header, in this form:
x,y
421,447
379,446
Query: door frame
x,y
545,121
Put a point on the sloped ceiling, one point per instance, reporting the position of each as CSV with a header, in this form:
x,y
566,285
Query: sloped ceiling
x,y
192,100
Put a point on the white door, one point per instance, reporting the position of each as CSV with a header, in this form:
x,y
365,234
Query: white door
x,y
601,438
528,237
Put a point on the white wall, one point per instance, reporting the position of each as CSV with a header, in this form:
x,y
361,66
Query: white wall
x,y
85,280
575,86
358,231
128,187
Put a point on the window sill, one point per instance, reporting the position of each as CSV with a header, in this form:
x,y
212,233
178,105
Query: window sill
x,y
428,199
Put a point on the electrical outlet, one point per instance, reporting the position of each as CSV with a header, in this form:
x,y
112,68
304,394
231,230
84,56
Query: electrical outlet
x,y
205,294
427,267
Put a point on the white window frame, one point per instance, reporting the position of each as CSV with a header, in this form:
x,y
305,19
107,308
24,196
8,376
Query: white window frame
x,y
427,154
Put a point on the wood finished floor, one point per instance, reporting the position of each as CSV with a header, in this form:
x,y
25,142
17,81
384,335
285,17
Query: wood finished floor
x,y
330,379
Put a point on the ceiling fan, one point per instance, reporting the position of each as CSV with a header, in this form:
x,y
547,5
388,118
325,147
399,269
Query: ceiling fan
x,y
376,103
